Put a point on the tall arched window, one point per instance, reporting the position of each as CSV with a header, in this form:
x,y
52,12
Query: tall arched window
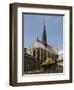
x,y
34,53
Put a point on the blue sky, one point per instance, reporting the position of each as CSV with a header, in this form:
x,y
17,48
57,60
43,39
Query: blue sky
x,y
34,25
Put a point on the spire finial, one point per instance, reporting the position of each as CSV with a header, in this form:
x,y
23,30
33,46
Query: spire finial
x,y
44,21
44,35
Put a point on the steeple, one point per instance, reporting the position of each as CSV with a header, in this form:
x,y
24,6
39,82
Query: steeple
x,y
37,39
44,36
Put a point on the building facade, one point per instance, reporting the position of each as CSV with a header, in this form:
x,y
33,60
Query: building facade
x,y
35,57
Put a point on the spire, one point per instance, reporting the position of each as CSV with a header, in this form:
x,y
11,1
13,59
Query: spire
x,y
37,39
44,35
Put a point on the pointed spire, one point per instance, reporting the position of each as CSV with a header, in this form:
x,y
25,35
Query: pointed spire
x,y
44,24
44,35
37,39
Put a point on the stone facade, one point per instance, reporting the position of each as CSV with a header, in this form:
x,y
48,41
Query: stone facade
x,y
35,57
